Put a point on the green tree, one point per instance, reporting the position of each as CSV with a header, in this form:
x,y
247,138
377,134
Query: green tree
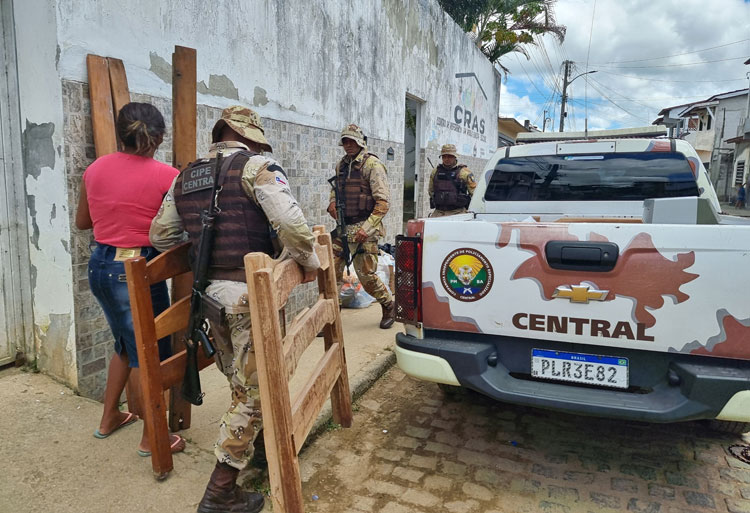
x,y
499,27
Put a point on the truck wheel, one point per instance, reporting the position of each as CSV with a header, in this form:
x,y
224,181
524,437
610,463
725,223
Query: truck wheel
x,y
728,426
452,391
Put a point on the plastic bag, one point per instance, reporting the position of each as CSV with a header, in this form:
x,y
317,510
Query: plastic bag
x,y
386,270
352,293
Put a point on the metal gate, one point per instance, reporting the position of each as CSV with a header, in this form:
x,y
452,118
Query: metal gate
x,y
15,293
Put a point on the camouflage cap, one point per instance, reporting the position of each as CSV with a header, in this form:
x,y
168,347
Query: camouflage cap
x,y
244,121
449,149
354,133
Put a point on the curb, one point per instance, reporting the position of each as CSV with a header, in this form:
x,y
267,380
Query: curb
x,y
361,383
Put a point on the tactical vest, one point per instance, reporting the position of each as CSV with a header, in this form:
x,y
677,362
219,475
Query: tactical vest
x,y
448,191
358,200
241,226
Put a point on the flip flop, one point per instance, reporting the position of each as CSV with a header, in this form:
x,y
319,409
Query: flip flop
x,y
126,422
146,454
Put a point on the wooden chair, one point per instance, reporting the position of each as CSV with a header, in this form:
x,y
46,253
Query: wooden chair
x,y
156,376
287,421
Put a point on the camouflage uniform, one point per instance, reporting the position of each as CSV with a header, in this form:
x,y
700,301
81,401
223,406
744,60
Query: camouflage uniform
x,y
235,356
464,175
365,261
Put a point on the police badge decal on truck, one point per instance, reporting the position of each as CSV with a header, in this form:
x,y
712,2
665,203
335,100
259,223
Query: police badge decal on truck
x,y
466,274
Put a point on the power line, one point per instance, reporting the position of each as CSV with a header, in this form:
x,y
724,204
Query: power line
x,y
610,100
676,81
588,53
671,65
620,94
679,54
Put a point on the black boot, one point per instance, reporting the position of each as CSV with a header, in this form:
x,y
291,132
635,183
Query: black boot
x,y
389,314
224,496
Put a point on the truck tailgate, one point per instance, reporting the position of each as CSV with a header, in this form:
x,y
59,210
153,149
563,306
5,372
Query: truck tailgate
x,y
666,288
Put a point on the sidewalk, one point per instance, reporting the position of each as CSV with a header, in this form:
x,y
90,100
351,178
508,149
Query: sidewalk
x,y
729,209
50,461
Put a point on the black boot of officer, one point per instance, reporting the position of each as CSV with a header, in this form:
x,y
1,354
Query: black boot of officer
x,y
223,495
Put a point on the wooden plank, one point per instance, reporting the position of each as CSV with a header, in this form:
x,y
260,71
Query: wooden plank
x,y
169,264
341,398
173,368
286,276
309,401
180,413
281,449
102,116
304,331
173,319
149,366
184,106
119,84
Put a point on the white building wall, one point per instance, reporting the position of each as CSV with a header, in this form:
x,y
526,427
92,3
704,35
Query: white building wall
x,y
46,188
322,63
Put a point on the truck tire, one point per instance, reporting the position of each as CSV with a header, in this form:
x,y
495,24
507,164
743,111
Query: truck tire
x,y
728,426
452,391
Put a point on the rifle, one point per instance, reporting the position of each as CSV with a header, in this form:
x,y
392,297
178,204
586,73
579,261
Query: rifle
x,y
202,307
340,231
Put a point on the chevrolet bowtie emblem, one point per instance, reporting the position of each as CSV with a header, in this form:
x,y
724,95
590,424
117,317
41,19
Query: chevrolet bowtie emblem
x,y
579,294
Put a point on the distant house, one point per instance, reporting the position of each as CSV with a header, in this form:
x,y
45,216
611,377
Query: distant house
x,y
709,125
509,128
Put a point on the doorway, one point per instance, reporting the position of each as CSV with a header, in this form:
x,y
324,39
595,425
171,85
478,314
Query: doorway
x,y
15,297
412,131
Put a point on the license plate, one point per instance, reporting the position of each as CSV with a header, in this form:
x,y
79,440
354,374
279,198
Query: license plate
x,y
591,369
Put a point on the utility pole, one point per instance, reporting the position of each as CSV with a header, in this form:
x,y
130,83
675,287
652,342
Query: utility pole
x,y
564,99
544,124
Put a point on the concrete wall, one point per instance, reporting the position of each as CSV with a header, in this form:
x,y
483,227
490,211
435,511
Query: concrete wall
x,y
322,63
308,67
47,200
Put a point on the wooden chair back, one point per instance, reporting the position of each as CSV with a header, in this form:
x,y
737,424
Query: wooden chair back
x,y
288,420
156,376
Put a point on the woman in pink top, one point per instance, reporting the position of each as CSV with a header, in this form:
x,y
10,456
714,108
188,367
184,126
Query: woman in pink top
x,y
120,195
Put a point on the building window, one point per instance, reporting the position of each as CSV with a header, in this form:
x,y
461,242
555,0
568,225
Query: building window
x,y
708,123
739,175
700,125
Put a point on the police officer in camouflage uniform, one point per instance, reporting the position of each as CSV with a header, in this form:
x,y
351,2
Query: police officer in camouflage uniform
x,y
451,185
254,197
363,181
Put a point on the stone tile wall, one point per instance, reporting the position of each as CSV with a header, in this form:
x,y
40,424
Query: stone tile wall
x,y
307,154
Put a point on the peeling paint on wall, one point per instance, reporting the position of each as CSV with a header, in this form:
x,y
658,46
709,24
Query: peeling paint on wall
x,y
260,97
31,203
219,85
160,67
38,149
53,337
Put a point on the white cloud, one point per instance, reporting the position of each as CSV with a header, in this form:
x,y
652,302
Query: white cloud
x,y
637,31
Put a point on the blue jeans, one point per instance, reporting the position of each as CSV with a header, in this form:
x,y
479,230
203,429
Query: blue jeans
x,y
110,288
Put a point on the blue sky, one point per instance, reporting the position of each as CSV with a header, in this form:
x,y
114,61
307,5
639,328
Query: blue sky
x,y
647,54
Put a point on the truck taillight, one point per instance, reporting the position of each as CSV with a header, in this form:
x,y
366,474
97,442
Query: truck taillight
x,y
408,291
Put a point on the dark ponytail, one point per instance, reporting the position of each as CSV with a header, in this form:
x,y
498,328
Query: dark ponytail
x,y
140,127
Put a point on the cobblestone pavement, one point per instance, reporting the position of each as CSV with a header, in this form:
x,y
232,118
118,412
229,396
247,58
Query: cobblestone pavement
x,y
414,450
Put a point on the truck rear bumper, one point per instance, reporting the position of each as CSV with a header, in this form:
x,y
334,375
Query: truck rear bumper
x,y
667,387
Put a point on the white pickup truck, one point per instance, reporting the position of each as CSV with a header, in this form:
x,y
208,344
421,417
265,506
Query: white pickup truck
x,y
594,276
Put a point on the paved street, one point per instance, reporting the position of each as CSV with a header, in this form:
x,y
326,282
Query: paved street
x,y
414,450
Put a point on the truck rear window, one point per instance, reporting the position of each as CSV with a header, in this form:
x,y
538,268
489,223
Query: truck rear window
x,y
611,176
